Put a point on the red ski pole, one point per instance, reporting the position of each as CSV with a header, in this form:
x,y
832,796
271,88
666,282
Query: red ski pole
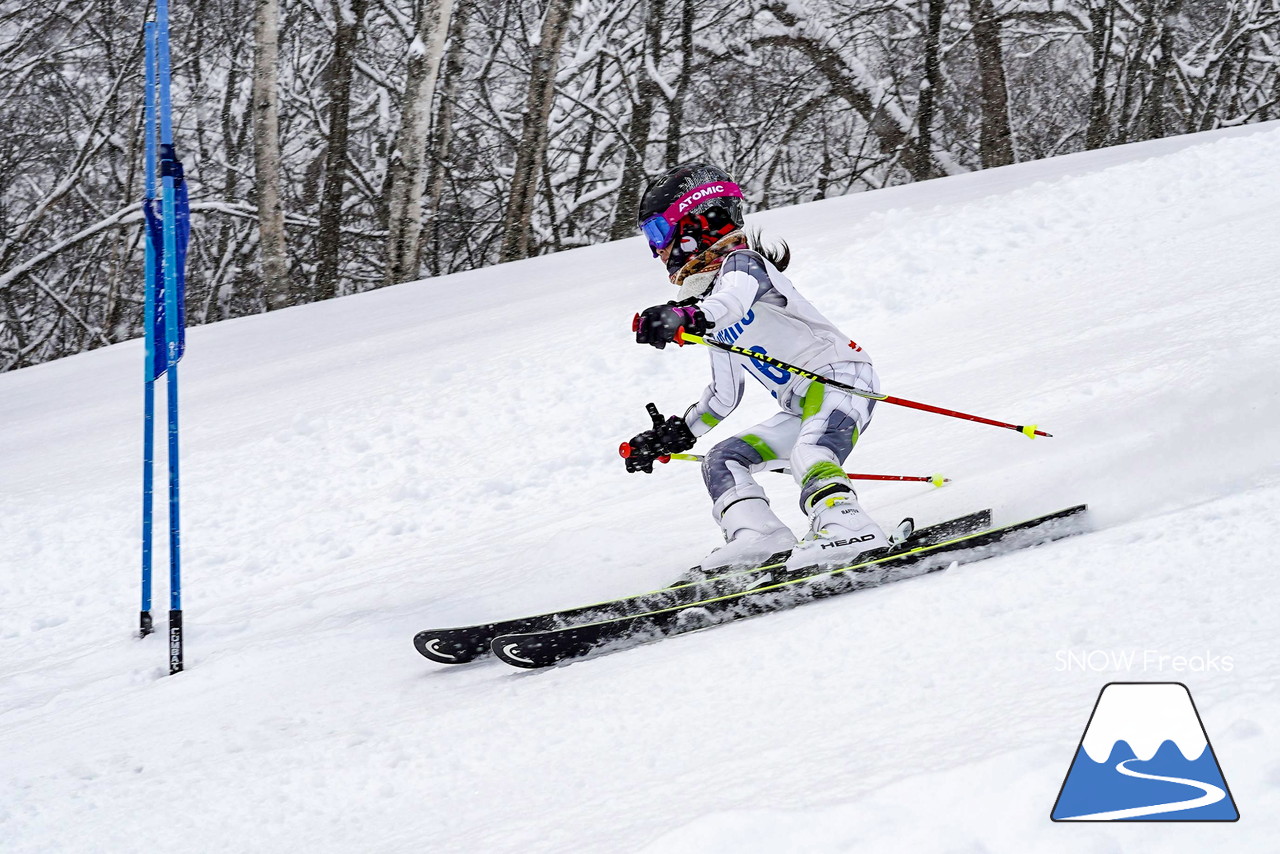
x,y
935,479
1028,430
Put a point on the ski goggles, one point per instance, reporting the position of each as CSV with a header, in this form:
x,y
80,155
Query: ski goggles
x,y
660,229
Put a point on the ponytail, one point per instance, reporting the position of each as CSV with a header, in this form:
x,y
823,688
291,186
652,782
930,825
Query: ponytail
x,y
778,254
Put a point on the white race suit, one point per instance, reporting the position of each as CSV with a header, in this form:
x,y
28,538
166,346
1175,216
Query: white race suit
x,y
755,307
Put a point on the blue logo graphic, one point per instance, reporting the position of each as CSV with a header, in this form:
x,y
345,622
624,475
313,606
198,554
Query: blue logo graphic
x,y
1145,756
733,333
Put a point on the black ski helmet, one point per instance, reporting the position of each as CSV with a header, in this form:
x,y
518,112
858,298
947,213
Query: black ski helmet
x,y
697,200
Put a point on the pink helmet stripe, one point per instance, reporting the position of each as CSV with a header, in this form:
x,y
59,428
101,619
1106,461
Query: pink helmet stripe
x,y
698,195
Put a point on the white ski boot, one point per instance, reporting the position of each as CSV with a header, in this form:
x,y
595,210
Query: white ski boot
x,y
752,533
839,531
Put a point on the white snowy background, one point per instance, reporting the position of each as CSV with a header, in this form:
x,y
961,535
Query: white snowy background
x,y
444,452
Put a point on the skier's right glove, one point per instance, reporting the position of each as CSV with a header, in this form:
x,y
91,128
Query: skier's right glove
x,y
658,325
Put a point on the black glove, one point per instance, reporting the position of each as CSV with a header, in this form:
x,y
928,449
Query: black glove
x,y
641,451
675,436
667,437
659,324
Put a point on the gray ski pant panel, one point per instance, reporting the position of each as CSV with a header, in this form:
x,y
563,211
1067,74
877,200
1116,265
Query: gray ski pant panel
x,y
838,436
726,471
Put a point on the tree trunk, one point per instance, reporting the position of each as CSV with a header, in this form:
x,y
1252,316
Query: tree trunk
x,y
1152,121
534,132
408,160
586,167
442,142
931,86
272,246
996,140
675,110
329,240
638,129
1101,18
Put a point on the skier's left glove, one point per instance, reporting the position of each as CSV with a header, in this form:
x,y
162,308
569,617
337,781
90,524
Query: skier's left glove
x,y
670,437
659,324
641,452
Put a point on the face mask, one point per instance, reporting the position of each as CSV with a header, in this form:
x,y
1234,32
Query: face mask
x,y
680,253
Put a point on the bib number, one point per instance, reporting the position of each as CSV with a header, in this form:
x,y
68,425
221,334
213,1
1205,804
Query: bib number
x,y
771,372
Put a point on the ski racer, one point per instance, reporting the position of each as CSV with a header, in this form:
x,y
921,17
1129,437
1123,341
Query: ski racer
x,y
733,289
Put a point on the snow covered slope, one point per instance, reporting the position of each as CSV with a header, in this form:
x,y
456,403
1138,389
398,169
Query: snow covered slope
x,y
445,451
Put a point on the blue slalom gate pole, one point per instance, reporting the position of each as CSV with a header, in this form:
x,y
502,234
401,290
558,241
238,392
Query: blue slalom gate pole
x,y
168,172
168,225
145,626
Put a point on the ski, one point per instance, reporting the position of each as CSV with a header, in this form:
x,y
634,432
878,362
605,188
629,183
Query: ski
x,y
467,643
542,648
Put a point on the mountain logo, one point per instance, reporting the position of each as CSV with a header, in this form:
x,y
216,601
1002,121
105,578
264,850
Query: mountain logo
x,y
1144,756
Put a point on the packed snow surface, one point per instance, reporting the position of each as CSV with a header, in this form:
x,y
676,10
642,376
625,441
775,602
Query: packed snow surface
x,y
444,452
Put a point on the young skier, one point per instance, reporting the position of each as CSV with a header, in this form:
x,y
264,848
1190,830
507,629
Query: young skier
x,y
737,294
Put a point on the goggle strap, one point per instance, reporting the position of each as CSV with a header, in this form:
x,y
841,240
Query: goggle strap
x,y
698,195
